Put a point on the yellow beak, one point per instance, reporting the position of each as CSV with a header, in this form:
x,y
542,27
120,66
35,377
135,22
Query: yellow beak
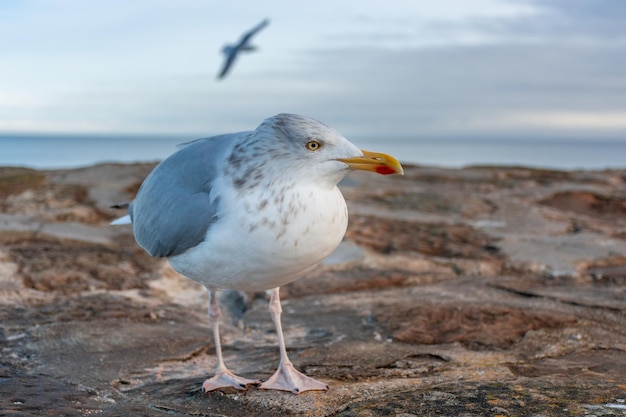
x,y
376,162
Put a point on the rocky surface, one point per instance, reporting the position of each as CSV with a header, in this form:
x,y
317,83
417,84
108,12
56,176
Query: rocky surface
x,y
475,292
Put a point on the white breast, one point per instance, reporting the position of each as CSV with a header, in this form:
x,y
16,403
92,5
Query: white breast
x,y
266,241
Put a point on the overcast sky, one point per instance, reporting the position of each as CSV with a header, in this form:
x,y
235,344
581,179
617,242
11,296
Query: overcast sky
x,y
414,68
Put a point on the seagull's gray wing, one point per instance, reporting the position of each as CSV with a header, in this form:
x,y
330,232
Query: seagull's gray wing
x,y
246,36
174,207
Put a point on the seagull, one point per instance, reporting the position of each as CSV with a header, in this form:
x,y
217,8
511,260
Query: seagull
x,y
231,51
252,211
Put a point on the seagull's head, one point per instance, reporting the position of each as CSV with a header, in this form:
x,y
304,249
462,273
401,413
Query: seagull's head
x,y
315,149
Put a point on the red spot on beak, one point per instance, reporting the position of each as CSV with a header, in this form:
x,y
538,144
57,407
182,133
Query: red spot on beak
x,y
385,170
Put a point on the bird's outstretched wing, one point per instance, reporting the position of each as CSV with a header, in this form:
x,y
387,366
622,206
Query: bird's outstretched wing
x,y
248,35
230,58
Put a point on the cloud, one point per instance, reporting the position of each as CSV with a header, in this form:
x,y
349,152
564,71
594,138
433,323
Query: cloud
x,y
441,90
571,21
554,70
533,67
595,121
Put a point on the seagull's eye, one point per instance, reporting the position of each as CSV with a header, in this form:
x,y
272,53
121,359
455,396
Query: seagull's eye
x,y
314,145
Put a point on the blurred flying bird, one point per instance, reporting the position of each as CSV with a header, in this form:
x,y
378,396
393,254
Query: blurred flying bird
x,y
231,51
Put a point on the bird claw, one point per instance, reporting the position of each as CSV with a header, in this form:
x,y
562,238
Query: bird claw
x,y
226,379
287,378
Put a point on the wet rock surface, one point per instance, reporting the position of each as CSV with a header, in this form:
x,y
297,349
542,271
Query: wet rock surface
x,y
474,292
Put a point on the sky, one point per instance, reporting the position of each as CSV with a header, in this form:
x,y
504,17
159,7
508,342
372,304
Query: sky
x,y
413,68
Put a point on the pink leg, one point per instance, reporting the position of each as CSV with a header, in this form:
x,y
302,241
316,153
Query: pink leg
x,y
223,377
287,378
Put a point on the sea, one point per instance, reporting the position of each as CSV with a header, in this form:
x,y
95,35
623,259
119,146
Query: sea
x,y
63,151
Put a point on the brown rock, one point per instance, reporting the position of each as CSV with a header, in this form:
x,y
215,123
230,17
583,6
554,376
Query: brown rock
x,y
482,291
